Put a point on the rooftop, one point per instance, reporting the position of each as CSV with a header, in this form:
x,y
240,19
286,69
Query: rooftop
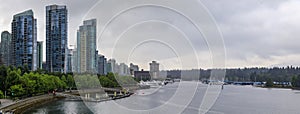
x,y
25,13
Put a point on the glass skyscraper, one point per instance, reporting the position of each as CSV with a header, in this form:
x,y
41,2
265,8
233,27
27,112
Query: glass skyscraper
x,y
56,38
5,48
24,40
40,54
86,47
102,64
70,60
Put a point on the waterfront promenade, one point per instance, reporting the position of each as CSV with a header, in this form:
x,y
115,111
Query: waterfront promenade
x,y
25,104
22,105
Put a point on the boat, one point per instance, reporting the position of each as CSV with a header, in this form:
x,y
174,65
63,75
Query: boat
x,y
168,81
152,84
177,80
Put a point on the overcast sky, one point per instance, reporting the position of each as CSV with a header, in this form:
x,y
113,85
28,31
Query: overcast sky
x,y
259,33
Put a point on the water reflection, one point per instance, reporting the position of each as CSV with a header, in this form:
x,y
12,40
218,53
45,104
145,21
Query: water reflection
x,y
61,107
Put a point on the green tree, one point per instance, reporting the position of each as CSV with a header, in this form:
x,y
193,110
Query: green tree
x,y
17,90
58,83
106,82
3,75
269,82
50,85
1,95
70,81
253,77
112,77
64,79
12,78
294,81
28,84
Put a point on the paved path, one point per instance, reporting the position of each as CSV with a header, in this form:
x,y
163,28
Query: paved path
x,y
5,102
21,105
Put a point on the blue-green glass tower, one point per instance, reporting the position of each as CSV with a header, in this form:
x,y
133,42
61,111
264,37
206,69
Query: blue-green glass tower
x,y
5,48
24,40
56,38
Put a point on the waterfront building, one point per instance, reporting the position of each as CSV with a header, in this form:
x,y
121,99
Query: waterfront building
x,y
24,40
40,55
108,67
44,66
142,75
5,48
112,66
123,69
133,68
56,38
117,68
70,61
102,65
74,61
86,46
154,70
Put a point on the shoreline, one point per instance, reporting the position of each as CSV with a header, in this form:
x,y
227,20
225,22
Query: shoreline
x,y
295,88
24,105
277,87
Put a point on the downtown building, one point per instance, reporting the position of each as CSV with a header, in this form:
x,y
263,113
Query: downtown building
x,y
102,65
70,58
24,40
112,66
5,48
39,55
142,75
123,70
133,68
75,61
154,70
86,47
56,38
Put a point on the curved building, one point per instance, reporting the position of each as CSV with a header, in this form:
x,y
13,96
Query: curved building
x,y
5,48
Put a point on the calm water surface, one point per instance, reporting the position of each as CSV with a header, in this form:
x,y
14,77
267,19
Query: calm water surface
x,y
232,100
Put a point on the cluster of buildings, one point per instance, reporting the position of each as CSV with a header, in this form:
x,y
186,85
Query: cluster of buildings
x,y
20,47
153,74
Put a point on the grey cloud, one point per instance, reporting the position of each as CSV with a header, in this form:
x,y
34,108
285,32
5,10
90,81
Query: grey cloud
x,y
266,30
263,28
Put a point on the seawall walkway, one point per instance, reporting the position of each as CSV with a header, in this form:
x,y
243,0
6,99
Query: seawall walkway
x,y
22,105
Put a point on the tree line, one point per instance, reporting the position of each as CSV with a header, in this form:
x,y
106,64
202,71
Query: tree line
x,y
275,74
20,82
